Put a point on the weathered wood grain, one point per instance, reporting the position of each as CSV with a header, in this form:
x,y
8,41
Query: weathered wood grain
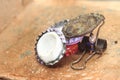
x,y
17,42
9,9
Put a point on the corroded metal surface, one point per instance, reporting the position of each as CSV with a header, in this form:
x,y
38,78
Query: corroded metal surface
x,y
82,25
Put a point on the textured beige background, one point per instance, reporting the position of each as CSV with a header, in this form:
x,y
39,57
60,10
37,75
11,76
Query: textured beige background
x,y
17,55
9,9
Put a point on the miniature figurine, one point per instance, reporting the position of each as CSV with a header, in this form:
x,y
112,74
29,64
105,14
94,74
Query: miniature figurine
x,y
67,37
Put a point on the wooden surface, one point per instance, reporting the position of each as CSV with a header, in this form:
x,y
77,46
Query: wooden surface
x,y
9,9
17,42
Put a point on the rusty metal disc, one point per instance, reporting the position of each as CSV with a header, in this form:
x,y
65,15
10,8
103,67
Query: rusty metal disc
x,y
82,25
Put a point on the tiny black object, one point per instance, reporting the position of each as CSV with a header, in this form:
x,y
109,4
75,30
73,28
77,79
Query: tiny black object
x,y
115,42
